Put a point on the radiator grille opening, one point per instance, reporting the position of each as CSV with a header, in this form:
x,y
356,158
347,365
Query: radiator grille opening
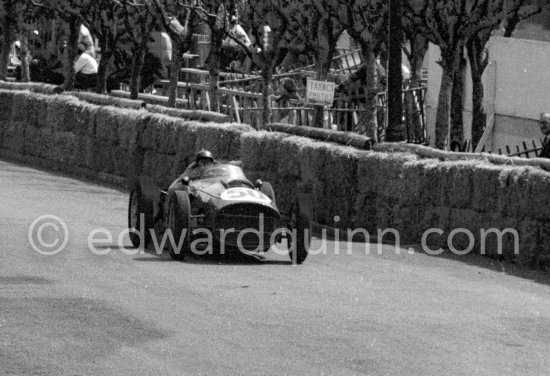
x,y
256,224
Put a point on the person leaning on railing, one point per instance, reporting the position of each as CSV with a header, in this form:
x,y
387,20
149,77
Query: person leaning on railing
x,y
545,129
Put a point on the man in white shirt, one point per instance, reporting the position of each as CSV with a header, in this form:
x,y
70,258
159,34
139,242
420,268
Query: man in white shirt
x,y
86,69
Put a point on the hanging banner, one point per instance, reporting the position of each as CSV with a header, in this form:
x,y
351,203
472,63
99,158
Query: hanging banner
x,y
320,92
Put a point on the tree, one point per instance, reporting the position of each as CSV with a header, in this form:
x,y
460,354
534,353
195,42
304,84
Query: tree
x,y
11,12
106,24
449,25
215,15
416,44
278,15
139,21
457,102
365,22
415,48
73,13
395,130
322,29
171,14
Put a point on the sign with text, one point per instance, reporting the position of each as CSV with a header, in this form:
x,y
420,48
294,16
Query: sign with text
x,y
320,92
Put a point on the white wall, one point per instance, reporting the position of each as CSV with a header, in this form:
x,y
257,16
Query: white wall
x,y
518,79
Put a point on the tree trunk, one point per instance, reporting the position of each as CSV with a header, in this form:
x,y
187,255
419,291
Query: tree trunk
x,y
318,116
214,85
103,71
369,125
478,62
324,69
137,65
457,106
395,130
213,62
72,48
25,58
103,66
10,36
175,68
479,117
443,106
419,47
267,75
413,112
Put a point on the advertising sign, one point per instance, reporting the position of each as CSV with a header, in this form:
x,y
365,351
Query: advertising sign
x,y
320,92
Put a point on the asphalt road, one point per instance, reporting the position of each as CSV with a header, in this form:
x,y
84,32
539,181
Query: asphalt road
x,y
81,313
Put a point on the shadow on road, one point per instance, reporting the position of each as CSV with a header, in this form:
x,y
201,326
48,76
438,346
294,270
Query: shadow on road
x,y
501,265
496,264
229,258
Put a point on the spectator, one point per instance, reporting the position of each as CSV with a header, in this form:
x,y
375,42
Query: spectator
x,y
86,69
545,129
291,98
16,59
237,32
15,54
234,57
289,93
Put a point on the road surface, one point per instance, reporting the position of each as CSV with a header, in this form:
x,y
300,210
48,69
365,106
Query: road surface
x,y
118,313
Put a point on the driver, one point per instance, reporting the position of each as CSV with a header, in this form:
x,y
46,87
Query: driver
x,y
204,159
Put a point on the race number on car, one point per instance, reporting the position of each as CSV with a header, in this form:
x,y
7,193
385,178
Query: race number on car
x,y
244,194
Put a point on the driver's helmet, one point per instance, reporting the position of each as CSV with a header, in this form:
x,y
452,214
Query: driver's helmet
x,y
204,155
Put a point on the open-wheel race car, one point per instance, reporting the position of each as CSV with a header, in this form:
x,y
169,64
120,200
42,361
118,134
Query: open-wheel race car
x,y
215,201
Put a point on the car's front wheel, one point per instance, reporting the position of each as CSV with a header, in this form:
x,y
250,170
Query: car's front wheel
x,y
140,217
179,215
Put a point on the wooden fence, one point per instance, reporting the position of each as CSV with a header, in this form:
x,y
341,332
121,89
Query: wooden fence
x,y
527,149
240,99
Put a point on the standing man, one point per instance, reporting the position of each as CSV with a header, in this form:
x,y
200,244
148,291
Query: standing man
x,y
545,129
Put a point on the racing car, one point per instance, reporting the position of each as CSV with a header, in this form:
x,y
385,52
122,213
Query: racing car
x,y
216,200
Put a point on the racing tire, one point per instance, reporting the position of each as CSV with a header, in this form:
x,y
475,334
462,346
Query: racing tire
x,y
179,217
139,207
300,227
267,190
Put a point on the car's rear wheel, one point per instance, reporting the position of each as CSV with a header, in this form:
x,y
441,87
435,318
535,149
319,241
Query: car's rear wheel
x,y
179,215
140,217
300,240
